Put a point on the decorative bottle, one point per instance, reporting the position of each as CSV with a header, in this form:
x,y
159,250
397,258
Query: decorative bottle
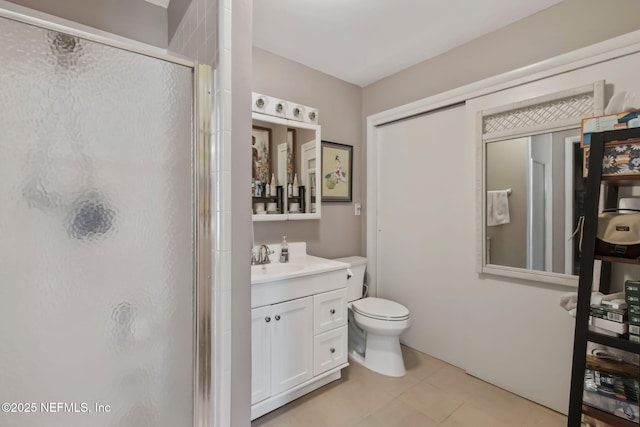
x,y
289,190
274,184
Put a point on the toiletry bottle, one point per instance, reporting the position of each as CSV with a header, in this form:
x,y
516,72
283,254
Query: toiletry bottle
x,y
289,190
284,250
296,188
267,190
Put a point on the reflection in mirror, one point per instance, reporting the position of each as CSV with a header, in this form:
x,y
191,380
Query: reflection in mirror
x,y
284,152
531,225
291,145
260,142
305,155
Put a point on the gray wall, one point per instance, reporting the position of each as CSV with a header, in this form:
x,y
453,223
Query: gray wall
x,y
137,20
175,13
339,232
240,210
507,161
564,27
567,26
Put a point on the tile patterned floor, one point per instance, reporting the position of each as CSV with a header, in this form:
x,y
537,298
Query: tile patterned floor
x,y
433,393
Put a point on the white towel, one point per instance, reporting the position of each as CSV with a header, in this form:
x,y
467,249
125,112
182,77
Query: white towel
x,y
498,207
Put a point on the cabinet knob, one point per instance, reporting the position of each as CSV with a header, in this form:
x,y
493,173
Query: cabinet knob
x,y
332,311
332,350
277,317
267,319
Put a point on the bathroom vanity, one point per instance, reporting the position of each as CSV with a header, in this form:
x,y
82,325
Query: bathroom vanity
x,y
298,327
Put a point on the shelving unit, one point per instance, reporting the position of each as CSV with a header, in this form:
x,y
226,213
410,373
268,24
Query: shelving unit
x,y
278,199
300,199
585,284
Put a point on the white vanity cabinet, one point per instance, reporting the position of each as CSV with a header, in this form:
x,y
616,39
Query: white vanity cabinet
x,y
282,347
330,329
299,344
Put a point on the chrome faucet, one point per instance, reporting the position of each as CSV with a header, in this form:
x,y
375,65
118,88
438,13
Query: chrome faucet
x,y
262,256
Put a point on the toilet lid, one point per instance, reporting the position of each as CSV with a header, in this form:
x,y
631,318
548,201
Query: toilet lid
x,y
379,308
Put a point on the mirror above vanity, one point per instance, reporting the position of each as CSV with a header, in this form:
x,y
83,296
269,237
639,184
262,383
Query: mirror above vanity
x,y
285,142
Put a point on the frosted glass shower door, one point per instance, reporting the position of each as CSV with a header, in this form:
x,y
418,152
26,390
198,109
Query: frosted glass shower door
x,y
96,234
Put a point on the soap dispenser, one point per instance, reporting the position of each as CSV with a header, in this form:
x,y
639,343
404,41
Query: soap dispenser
x,y
284,250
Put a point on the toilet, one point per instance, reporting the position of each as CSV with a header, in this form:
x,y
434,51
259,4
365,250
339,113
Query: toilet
x,y
375,325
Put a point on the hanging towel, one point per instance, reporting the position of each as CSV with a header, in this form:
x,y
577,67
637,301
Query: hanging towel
x,y
498,207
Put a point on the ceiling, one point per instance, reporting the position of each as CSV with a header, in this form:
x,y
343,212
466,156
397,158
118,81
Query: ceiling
x,y
362,41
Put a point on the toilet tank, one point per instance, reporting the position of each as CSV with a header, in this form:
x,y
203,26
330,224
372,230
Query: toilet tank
x,y
357,265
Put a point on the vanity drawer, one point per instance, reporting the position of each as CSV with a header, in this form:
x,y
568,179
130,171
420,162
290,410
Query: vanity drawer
x,y
329,350
329,310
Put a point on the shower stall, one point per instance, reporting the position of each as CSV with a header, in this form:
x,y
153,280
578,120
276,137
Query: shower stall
x,y
104,232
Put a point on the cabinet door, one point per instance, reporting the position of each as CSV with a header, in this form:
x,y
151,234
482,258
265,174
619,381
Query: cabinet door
x,y
261,322
329,310
291,344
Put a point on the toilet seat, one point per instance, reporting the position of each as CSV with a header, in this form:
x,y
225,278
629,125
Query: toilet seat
x,y
380,309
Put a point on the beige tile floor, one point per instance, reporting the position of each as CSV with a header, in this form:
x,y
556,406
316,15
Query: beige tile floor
x,y
432,393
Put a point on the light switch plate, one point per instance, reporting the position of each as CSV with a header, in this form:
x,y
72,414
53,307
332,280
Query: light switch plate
x,y
358,208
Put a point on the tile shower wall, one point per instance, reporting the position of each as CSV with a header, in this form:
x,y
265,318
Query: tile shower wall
x,y
204,35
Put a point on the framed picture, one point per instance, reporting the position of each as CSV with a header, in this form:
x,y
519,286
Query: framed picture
x,y
260,140
337,172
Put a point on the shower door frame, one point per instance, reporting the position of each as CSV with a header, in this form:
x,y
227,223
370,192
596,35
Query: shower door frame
x,y
201,166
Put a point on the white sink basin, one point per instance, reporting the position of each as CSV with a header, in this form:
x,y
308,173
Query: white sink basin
x,y
274,269
298,266
300,277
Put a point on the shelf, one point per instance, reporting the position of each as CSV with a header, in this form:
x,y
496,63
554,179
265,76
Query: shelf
x,y
583,334
606,417
613,367
617,259
622,180
264,198
615,342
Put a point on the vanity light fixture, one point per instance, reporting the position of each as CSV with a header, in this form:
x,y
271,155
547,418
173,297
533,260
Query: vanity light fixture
x,y
261,103
298,112
278,107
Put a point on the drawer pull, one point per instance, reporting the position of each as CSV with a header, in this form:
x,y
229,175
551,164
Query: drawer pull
x,y
277,317
267,319
332,311
332,350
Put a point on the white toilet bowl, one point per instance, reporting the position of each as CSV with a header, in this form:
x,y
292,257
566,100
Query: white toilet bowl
x,y
375,325
383,321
